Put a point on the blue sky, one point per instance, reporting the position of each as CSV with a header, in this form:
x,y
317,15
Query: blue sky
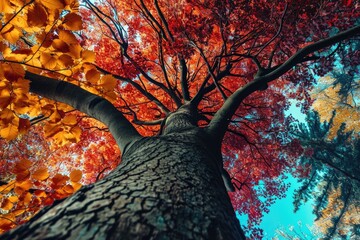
x,y
282,216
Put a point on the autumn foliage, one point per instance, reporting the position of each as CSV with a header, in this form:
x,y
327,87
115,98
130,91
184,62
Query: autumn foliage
x,y
148,58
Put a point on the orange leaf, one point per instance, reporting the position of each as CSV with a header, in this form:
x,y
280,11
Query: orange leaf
x,y
7,222
72,21
9,132
41,174
92,75
59,180
51,130
18,212
13,199
11,33
48,201
75,175
7,187
40,193
76,186
60,45
72,5
48,60
13,71
5,98
27,198
23,165
108,82
75,133
7,204
21,176
68,189
88,56
70,120
65,61
67,37
24,125
53,4
25,185
5,7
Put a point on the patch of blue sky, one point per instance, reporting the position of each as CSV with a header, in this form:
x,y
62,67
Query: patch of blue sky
x,y
282,217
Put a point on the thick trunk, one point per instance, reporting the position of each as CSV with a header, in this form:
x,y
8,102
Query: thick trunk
x,y
167,187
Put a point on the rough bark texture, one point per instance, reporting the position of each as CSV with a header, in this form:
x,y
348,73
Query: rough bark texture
x,y
167,187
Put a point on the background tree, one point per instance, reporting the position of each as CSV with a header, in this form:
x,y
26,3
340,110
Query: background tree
x,y
331,161
190,74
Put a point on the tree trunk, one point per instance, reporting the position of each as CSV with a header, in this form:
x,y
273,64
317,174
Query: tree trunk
x,y
167,187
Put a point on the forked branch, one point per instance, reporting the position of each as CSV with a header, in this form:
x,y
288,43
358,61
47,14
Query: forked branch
x,y
218,125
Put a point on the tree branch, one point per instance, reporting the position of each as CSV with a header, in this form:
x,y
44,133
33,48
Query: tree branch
x,y
88,103
143,91
219,123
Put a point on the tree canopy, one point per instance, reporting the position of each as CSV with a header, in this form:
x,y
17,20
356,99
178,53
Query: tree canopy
x,y
237,63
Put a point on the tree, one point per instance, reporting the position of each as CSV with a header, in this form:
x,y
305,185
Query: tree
x,y
191,75
330,160
333,182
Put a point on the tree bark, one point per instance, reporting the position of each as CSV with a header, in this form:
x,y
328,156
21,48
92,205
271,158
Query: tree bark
x,y
167,187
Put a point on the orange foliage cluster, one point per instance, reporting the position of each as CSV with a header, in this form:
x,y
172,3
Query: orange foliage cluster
x,y
51,48
25,195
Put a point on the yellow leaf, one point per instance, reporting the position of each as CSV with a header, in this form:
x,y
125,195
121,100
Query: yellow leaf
x,y
76,186
53,4
41,174
75,175
108,82
11,33
13,199
76,133
70,120
88,56
5,7
72,21
10,131
19,55
67,37
52,129
75,50
48,60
